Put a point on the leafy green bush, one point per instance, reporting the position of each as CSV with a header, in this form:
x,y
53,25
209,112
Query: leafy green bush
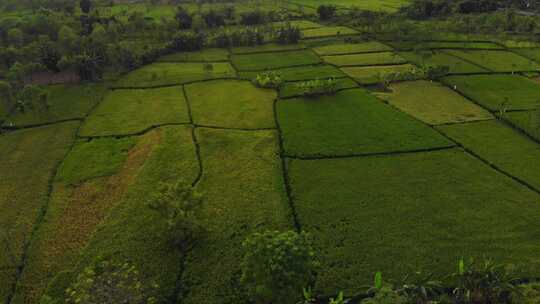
x,y
276,266
267,80
326,11
484,282
178,205
318,87
110,282
288,34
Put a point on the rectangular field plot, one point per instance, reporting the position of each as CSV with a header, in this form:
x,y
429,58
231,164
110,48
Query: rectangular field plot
x,y
365,59
379,5
501,146
27,162
244,193
131,231
291,89
265,48
527,121
410,45
231,104
433,103
206,55
302,73
412,212
130,111
434,59
533,54
497,92
301,24
64,102
497,61
264,61
352,122
350,48
91,181
372,75
162,74
328,32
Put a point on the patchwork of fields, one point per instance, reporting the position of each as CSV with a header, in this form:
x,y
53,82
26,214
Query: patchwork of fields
x,y
397,180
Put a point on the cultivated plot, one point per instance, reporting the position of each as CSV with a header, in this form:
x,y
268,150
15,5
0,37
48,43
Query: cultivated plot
x,y
131,111
264,61
231,104
302,73
410,45
374,74
498,92
527,121
91,180
292,89
328,32
162,74
244,193
131,231
27,162
269,47
350,123
205,55
64,102
501,146
383,58
380,5
433,103
350,48
381,213
531,53
301,24
434,59
497,61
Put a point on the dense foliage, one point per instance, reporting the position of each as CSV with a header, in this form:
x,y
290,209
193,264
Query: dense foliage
x,y
278,265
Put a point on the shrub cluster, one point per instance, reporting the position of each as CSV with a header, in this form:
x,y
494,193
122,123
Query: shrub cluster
x,y
317,87
267,80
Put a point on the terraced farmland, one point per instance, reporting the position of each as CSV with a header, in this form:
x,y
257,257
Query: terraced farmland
x,y
395,176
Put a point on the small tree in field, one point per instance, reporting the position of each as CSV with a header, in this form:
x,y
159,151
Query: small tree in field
x,y
277,266
326,11
178,205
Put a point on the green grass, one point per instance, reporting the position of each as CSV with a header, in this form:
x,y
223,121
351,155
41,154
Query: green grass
x,y
231,104
527,121
134,232
301,24
271,47
533,54
206,55
65,102
412,212
301,73
76,210
433,103
263,61
96,158
409,45
244,193
291,89
348,48
160,74
497,61
351,122
370,75
131,111
501,146
365,59
455,64
3,110
27,162
328,31
492,91
371,5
